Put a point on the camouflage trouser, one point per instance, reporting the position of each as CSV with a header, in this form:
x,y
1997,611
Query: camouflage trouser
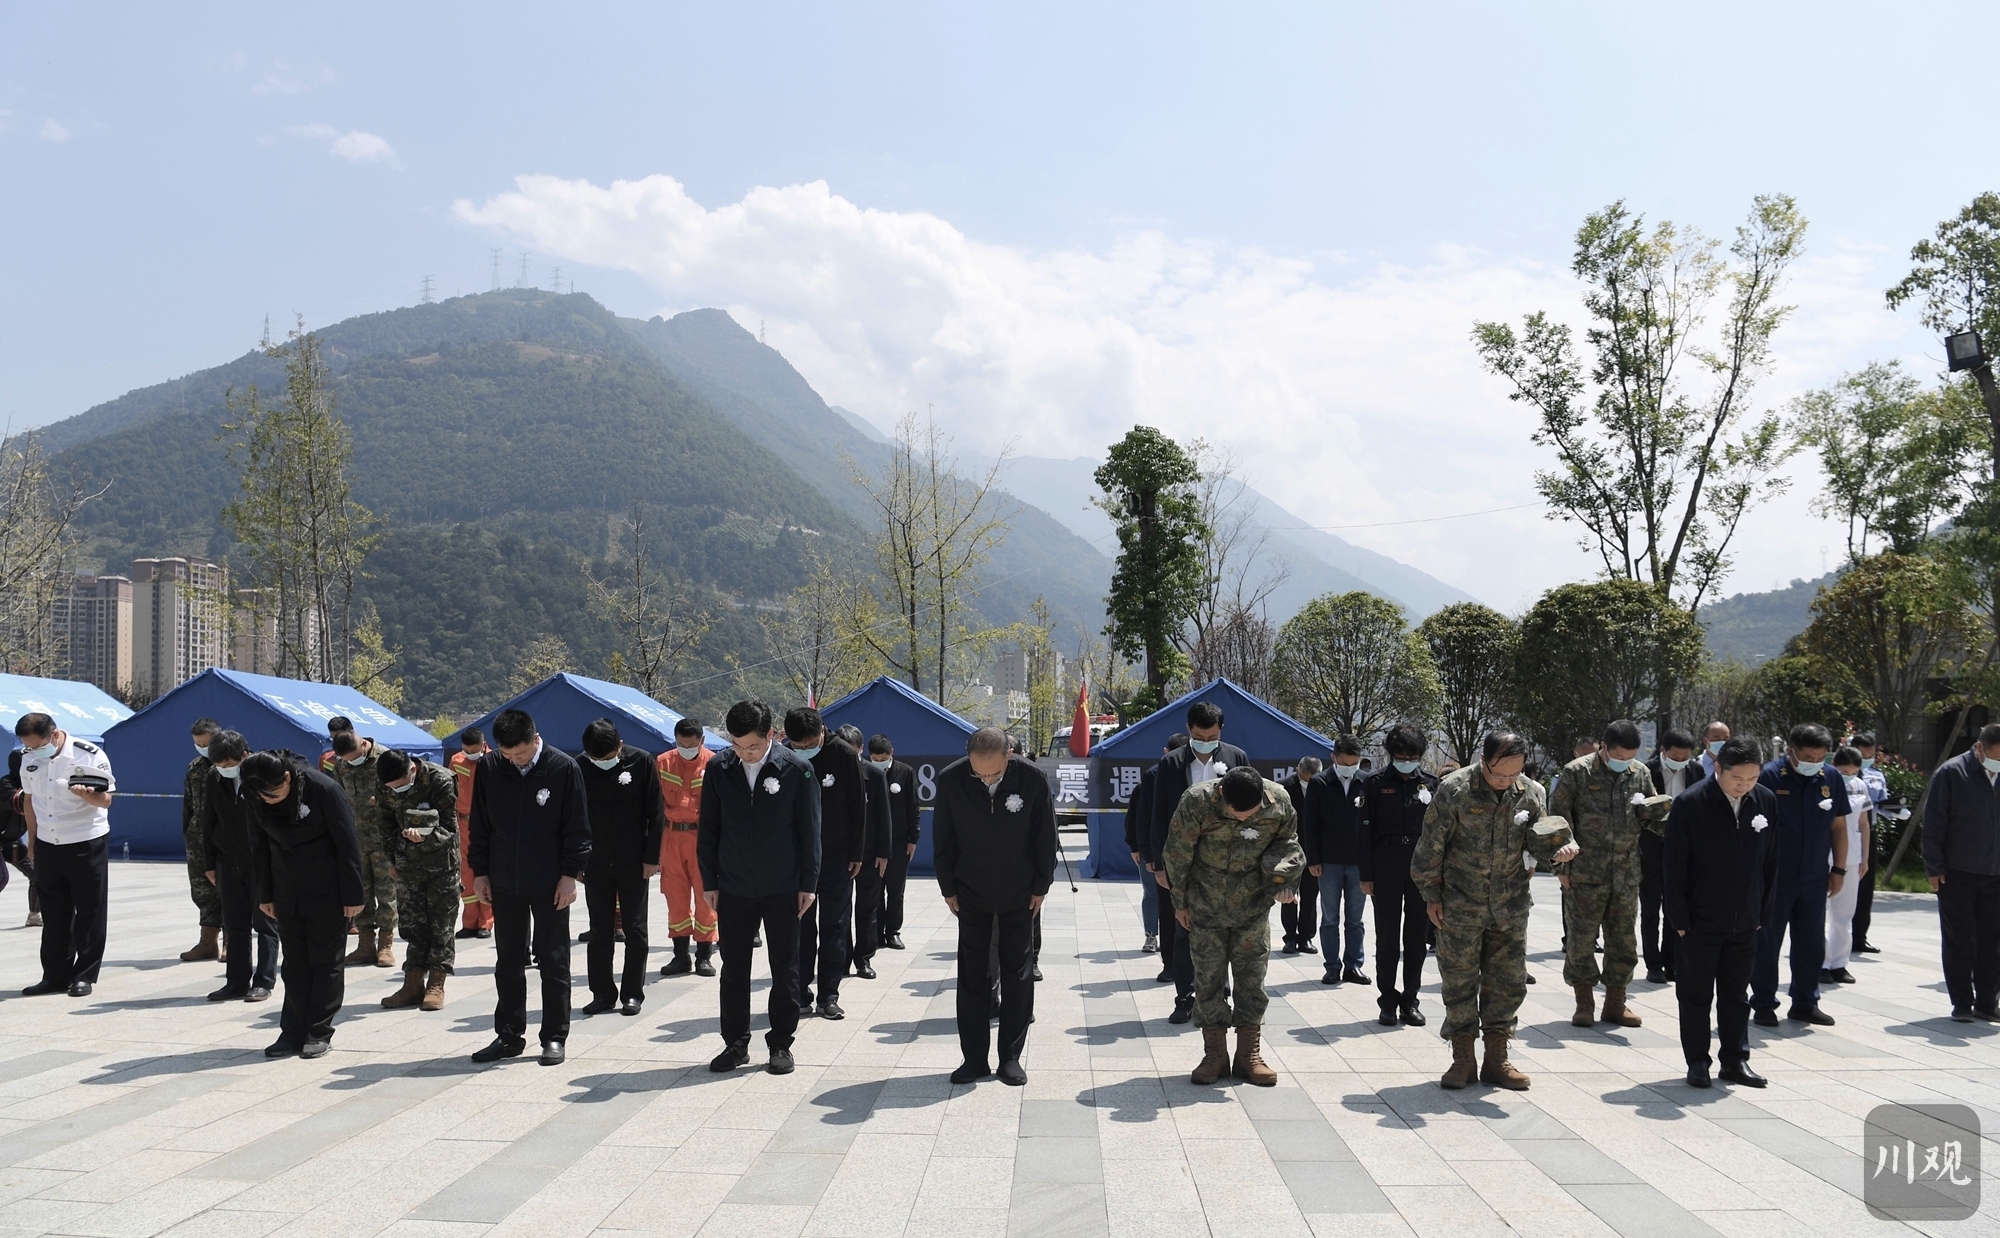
x,y
430,906
1484,975
1220,950
207,899
378,889
1614,907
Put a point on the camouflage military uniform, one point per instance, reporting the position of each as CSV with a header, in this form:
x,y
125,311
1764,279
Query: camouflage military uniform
x,y
1213,864
194,793
365,793
427,890
1596,800
1469,860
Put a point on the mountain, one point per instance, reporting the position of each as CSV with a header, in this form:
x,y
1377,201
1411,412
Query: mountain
x,y
1753,627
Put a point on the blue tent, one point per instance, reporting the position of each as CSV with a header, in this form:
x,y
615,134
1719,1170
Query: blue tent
x,y
1271,738
150,750
84,710
925,733
562,705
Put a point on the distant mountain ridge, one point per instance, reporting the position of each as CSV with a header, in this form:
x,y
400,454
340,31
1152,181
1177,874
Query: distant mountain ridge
x,y
1753,627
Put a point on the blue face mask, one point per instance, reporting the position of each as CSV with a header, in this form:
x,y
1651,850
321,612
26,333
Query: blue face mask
x,y
881,762
405,788
202,749
1346,772
1617,765
1992,765
1867,762
230,772
1670,763
809,753
1204,746
1808,769
1405,767
607,763
46,750
1715,747
687,754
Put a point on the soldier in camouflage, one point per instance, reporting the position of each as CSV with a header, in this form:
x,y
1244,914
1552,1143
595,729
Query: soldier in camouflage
x,y
354,769
1607,798
1486,828
207,901
1215,863
418,831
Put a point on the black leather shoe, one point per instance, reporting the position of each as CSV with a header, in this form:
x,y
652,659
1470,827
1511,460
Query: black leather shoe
x,y
466,934
1353,976
1764,1018
1989,1013
1698,1078
1530,976
1306,947
227,994
314,1048
629,1007
257,993
704,965
1838,975
1656,976
1331,977
1291,947
42,987
1810,1014
1183,1010
1867,947
502,1047
597,1006
894,941
80,989
1012,1075
679,965
1166,974
1387,1018
781,1062
553,1053
1961,1014
1742,1074
482,934
280,1048
1412,1016
830,1009
729,1059
865,970
1035,971
971,1071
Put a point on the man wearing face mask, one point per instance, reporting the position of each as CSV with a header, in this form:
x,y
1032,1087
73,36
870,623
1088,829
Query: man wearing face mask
x,y
1392,804
1299,918
689,916
1812,811
905,829
207,902
225,834
1674,770
1607,798
66,787
1713,736
843,835
621,785
1205,758
354,769
419,828
1878,791
1961,846
864,936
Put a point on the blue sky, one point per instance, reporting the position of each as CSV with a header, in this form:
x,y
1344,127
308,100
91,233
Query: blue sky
x,y
1271,225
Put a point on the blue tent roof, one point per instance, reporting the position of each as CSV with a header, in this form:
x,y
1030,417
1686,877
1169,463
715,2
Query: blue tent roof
x,y
913,722
1263,731
150,750
562,705
82,709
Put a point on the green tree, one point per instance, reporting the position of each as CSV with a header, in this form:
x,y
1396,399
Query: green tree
x,y
815,637
1149,490
1955,282
1797,687
1348,664
1472,647
653,612
542,657
1591,653
37,542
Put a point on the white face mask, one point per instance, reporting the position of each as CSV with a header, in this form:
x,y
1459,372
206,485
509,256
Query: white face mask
x,y
1670,763
687,754
357,760
1346,773
607,763
881,762
230,772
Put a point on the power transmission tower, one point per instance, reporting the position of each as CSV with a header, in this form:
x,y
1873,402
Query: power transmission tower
x,y
496,270
555,280
428,298
760,330
265,343
522,282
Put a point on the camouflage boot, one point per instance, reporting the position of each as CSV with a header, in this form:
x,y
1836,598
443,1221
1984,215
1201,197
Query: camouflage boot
x,y
434,991
1615,1009
1249,1066
204,949
1214,1057
1586,1006
385,954
411,992
1498,1070
1464,1067
364,949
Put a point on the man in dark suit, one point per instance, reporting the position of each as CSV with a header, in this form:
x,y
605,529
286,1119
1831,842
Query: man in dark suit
x,y
1300,918
758,846
1810,822
1205,757
1161,929
1390,806
995,840
905,829
1674,770
843,843
1720,875
864,936
1962,859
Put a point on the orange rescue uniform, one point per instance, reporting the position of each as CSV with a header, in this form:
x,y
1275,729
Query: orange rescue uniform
x,y
477,915
688,912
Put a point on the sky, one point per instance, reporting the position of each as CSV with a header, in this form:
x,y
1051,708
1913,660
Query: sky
x,y
1270,226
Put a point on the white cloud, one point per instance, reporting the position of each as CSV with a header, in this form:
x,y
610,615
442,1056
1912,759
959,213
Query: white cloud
x,y
282,79
1351,391
355,146
53,131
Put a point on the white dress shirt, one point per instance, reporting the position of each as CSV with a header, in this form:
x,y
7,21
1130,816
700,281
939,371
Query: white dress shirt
x,y
60,816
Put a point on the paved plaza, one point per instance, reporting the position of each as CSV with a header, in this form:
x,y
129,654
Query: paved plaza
x,y
146,1110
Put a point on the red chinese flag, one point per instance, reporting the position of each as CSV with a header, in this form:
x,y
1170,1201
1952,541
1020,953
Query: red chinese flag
x,y
1079,725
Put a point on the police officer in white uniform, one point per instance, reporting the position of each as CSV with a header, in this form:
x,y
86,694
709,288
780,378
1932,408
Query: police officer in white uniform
x,y
67,786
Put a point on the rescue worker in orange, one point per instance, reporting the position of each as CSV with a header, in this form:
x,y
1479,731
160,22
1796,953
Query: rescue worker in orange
x,y
477,918
689,915
334,726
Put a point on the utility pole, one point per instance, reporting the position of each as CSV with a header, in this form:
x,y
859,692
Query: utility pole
x,y
427,297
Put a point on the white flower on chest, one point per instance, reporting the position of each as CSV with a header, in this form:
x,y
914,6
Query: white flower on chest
x,y
625,778
1248,834
1637,799
1521,817
1015,803
542,798
1759,823
895,788
305,810
770,786
1423,795
827,781
1826,805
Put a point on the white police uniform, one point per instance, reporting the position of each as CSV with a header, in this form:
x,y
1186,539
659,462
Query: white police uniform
x,y
71,846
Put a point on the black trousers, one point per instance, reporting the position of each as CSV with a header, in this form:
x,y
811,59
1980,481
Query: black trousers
x,y
1402,928
1301,919
891,917
514,916
1174,947
1801,910
737,920
604,899
313,934
1969,922
823,938
866,937
980,930
1864,907
241,919
1658,952
75,888
1714,968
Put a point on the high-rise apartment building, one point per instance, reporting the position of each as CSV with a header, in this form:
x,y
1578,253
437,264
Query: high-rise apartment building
x,y
177,627
95,619
255,645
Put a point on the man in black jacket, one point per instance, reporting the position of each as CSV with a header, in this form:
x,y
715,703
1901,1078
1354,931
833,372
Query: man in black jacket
x,y
530,846
1205,757
759,850
1393,802
621,786
995,840
1138,835
1300,917
1674,770
864,935
905,829
225,836
843,845
1721,885
1961,843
